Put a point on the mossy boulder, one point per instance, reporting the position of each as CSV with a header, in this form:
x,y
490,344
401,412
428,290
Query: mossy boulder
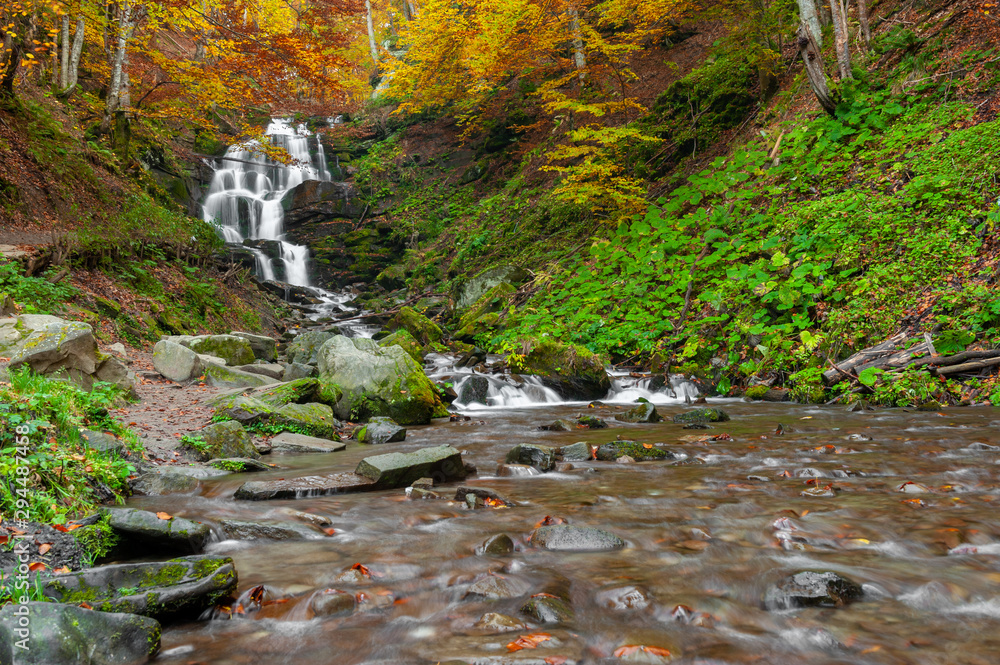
x,y
442,463
571,370
234,350
483,315
180,588
375,381
425,331
393,277
221,376
609,452
469,291
222,440
299,391
304,349
703,415
50,345
404,339
643,413
310,419
63,633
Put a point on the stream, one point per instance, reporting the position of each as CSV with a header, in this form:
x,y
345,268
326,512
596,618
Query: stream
x,y
706,534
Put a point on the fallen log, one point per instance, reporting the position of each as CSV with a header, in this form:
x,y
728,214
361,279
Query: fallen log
x,y
864,356
965,368
944,361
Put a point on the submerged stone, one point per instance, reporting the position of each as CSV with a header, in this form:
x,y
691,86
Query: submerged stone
x,y
145,530
614,450
565,537
381,430
812,589
644,413
441,463
499,545
542,458
703,415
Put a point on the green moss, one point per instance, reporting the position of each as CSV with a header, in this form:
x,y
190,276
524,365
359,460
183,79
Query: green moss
x,y
96,539
705,415
756,392
550,358
419,326
404,339
637,451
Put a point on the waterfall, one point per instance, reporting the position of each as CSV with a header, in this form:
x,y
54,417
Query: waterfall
x,y
244,198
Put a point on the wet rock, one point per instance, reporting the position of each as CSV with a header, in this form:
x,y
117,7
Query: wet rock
x,y
332,603
270,370
516,471
474,390
423,483
419,493
102,443
179,588
591,422
494,587
239,465
493,622
625,459
442,463
298,391
564,467
263,348
932,405
473,501
560,425
61,633
376,381
858,406
254,530
623,598
497,545
144,530
300,488
777,395
910,487
304,349
565,537
573,371
812,589
419,326
289,442
295,371
176,362
547,609
613,450
222,440
489,496
576,452
381,430
644,413
542,458
164,480
704,415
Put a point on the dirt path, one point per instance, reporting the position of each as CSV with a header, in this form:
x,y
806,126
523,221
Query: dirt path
x,y
166,411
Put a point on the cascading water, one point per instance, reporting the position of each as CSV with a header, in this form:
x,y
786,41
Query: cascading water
x,y
244,199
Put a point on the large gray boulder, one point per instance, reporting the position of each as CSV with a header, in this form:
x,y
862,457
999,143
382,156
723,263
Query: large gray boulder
x,y
289,442
268,530
376,381
60,634
264,348
176,362
48,344
441,463
180,588
381,430
220,376
144,530
542,458
304,349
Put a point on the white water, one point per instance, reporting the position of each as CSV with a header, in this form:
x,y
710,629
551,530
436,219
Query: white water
x,y
244,199
506,392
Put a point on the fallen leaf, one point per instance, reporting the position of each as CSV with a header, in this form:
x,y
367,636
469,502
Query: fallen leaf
x,y
530,641
44,547
630,649
362,569
164,516
38,565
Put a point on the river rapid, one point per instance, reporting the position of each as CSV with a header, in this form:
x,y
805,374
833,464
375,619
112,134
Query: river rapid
x,y
707,533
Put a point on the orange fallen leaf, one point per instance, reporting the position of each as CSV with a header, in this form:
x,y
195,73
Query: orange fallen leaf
x,y
530,641
647,446
630,649
44,547
85,606
362,569
164,516
556,660
38,565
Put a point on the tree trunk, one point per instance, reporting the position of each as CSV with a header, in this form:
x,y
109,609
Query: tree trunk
x,y
813,60
117,61
579,56
866,33
74,56
371,32
19,46
64,48
839,12
808,16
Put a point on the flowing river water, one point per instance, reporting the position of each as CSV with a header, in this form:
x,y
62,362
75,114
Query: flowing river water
x,y
706,534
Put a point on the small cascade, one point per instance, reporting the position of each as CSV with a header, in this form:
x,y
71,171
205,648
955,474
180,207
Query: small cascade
x,y
505,391
245,195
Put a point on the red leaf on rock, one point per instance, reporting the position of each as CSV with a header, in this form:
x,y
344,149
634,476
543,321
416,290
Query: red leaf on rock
x,y
164,516
362,569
